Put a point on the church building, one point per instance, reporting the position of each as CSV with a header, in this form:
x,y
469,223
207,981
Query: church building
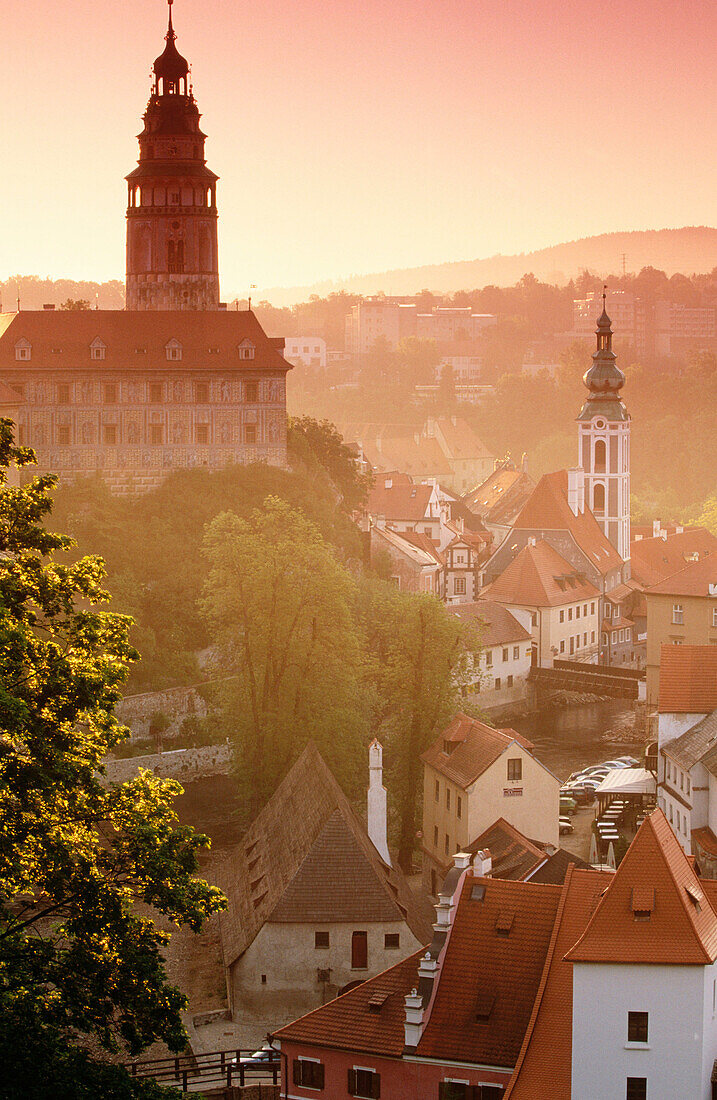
x,y
175,380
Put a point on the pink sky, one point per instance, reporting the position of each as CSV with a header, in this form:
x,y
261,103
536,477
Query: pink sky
x,y
357,135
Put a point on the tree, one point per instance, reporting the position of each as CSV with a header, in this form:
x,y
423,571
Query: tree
x,y
280,607
75,304
78,962
323,442
708,518
422,658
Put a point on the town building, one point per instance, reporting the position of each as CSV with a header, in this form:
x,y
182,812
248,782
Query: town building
x,y
500,498
681,610
474,774
174,381
507,853
563,604
657,556
10,402
631,314
305,351
408,558
501,678
597,988
446,450
463,556
405,505
313,905
680,329
392,319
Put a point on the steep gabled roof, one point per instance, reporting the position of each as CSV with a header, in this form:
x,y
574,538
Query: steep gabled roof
x,y
688,679
513,855
694,579
654,910
477,747
655,559
500,626
547,509
270,869
539,577
402,500
460,441
417,548
501,496
695,743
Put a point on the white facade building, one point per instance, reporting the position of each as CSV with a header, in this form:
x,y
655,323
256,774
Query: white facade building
x,y
306,351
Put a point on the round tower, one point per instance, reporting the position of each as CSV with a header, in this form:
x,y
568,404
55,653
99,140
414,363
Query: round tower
x,y
604,440
171,212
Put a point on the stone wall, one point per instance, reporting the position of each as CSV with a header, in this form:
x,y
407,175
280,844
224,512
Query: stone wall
x,y
176,704
182,764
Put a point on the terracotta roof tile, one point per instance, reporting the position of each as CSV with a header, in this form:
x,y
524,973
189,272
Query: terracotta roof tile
x,y
501,496
547,509
694,579
513,855
500,626
460,439
654,559
654,872
401,501
695,744
688,679
478,746
539,577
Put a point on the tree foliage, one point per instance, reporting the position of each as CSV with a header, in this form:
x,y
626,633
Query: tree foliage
x,y
78,961
319,444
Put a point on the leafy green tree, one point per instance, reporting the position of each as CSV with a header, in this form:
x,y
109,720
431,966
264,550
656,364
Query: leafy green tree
x,y
708,518
280,608
321,441
78,961
422,655
75,304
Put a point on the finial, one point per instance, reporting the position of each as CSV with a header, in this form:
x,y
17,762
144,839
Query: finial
x,y
604,285
170,29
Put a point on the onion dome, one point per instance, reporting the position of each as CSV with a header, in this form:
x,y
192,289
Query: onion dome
x,y
604,379
170,65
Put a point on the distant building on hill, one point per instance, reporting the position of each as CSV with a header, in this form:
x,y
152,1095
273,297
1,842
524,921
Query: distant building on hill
x,y
395,319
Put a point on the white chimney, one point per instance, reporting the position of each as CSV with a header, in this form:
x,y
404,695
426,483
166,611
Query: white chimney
x,y
576,491
483,863
413,1024
655,528
377,828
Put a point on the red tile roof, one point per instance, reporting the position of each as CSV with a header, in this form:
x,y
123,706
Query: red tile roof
x,y
500,626
507,968
694,579
403,501
460,440
513,855
539,577
123,331
688,679
478,747
544,1065
654,559
547,509
654,876
500,496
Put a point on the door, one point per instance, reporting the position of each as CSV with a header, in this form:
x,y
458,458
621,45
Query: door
x,y
359,950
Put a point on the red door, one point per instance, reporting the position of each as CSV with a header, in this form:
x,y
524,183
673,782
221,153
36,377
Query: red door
x,y
359,950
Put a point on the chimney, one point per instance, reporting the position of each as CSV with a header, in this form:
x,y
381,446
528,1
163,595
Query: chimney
x,y
524,462
655,528
531,540
413,1024
380,522
483,863
377,829
388,483
576,491
48,305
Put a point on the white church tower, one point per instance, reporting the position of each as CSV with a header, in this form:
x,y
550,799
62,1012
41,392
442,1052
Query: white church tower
x,y
604,427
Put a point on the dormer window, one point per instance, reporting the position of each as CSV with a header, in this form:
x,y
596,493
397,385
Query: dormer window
x,y
174,350
23,350
246,349
98,349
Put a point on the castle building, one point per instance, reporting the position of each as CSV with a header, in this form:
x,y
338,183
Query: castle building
x,y
175,380
604,432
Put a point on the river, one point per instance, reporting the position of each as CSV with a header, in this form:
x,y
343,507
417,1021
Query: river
x,y
570,737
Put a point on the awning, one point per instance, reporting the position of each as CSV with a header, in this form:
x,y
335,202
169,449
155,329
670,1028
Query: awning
x,y
627,781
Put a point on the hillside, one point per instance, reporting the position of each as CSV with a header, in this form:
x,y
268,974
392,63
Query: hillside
x,y
690,250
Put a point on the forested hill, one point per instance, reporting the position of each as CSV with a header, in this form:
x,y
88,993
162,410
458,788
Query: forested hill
x,y
35,292
691,250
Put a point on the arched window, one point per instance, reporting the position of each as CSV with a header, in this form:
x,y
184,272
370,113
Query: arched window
x,y
599,499
600,456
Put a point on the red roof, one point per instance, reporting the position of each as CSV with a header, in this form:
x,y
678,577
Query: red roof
x,y
694,579
547,509
539,577
653,560
61,339
688,679
402,500
460,440
478,746
654,909
499,626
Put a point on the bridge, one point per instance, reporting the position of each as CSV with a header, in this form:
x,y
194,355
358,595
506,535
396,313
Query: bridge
x,y
213,1070
603,680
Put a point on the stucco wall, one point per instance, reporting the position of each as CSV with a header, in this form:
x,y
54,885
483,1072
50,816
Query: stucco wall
x,y
534,812
695,629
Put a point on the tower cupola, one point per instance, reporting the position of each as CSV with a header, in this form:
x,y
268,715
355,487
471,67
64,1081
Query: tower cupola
x,y
604,379
170,67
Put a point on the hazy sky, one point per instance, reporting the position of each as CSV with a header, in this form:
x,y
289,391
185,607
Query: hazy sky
x,y
357,135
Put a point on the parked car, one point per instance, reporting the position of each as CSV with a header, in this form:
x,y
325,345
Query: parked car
x,y
265,1058
615,764
629,761
565,825
583,795
568,804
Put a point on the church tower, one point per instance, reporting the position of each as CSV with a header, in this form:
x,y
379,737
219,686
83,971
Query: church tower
x,y
604,431
171,212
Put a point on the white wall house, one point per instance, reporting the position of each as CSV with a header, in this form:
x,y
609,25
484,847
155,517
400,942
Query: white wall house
x,y
307,351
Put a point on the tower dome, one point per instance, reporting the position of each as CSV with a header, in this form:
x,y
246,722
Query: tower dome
x,y
604,379
170,65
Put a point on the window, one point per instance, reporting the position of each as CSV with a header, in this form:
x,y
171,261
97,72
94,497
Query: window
x,y
459,586
447,844
509,682
156,434
63,434
636,1088
496,684
577,612
516,652
246,350
599,499
63,394
173,351
448,799
364,1082
534,618
592,608
201,433
489,659
505,654
201,392
562,616
308,1073
599,456
585,609
97,351
250,433
23,350
614,637
562,646
109,393
592,635
251,392
321,941
437,791
109,434
155,393
678,616
359,950
637,1027
435,836
585,639
515,769
459,804
714,616
392,941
